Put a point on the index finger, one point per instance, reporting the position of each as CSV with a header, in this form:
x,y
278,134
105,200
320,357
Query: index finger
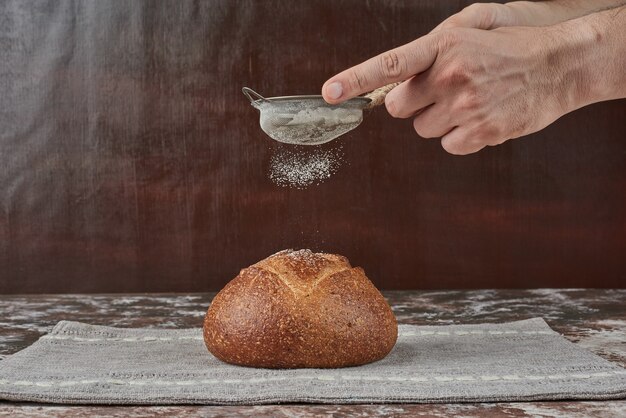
x,y
394,65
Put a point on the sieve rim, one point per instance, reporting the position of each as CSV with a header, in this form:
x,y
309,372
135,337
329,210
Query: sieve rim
x,y
362,100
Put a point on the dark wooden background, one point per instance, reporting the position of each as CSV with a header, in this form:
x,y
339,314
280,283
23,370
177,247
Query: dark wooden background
x,y
130,160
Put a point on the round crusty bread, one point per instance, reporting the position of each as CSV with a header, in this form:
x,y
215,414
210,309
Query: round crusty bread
x,y
300,309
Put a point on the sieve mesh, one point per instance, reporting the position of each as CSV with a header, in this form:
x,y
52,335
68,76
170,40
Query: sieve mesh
x,y
307,122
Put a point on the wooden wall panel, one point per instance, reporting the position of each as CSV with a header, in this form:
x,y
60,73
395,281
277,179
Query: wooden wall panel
x,y
130,160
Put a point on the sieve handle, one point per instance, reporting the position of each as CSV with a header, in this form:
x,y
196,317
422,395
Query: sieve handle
x,y
378,96
252,95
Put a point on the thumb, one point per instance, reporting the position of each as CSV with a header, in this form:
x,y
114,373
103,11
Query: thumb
x,y
478,16
395,65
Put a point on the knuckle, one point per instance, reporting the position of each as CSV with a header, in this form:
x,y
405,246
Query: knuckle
x,y
480,14
454,74
392,64
494,131
475,8
485,15
452,22
488,133
470,101
449,37
357,80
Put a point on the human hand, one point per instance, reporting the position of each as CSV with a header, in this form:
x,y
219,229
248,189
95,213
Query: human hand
x,y
523,13
471,87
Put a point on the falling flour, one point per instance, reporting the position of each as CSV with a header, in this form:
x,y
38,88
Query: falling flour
x,y
304,166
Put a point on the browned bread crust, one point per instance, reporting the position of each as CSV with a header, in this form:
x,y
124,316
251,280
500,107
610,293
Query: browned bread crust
x,y
300,309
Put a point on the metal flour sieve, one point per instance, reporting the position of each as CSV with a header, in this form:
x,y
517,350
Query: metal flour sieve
x,y
308,119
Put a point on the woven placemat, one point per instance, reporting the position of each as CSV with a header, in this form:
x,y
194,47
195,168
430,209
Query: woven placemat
x,y
517,361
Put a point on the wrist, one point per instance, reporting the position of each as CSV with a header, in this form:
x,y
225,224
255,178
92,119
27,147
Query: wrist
x,y
587,54
607,63
570,49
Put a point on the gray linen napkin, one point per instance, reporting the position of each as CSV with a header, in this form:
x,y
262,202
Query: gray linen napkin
x,y
524,360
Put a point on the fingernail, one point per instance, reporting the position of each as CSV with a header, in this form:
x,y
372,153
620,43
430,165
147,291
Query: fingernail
x,y
334,90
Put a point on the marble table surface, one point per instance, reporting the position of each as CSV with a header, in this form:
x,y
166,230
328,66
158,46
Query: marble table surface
x,y
593,318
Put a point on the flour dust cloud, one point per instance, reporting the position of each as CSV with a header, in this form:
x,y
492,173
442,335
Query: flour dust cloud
x,y
303,166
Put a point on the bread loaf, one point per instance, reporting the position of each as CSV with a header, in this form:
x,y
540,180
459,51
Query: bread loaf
x,y
300,309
